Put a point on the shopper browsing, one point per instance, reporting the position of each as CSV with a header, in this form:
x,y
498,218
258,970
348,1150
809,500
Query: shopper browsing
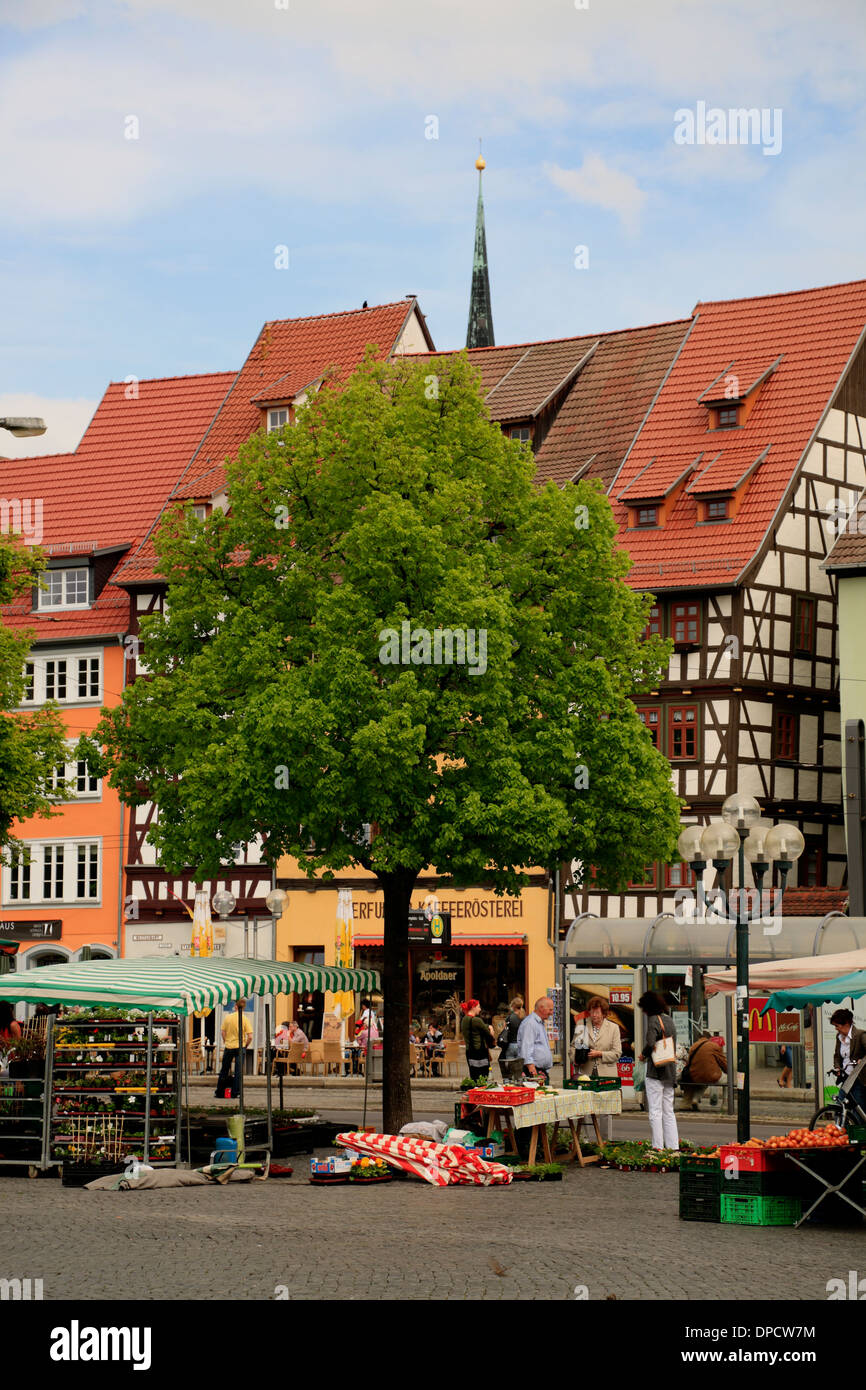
x,y
478,1038
661,1074
532,1044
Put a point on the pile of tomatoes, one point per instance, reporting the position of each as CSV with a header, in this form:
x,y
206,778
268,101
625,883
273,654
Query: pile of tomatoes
x,y
825,1137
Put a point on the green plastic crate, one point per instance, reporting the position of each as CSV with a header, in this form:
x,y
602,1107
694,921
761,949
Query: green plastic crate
x,y
605,1083
699,1163
700,1183
744,1210
857,1134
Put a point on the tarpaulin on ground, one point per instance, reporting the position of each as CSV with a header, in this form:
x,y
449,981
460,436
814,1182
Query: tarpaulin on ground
x,y
442,1165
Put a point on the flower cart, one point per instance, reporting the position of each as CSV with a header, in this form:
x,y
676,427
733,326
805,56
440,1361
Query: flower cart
x,y
112,1082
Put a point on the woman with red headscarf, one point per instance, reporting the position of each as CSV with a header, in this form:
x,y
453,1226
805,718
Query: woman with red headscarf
x,y
478,1037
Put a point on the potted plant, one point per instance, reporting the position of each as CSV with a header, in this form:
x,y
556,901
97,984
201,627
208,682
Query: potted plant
x,y
367,1170
27,1056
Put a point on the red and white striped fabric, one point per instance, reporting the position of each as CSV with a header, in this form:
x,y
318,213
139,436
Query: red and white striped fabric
x,y
442,1165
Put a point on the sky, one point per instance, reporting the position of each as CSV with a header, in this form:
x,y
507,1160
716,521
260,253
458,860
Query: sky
x,y
157,153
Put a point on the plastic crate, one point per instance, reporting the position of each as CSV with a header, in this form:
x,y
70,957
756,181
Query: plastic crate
x,y
857,1134
752,1160
699,1206
781,1184
743,1210
700,1181
605,1083
699,1163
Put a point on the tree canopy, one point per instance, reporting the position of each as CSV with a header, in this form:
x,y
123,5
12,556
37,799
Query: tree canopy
x,y
394,626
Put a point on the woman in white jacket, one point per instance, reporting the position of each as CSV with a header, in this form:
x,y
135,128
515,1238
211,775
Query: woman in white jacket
x,y
601,1037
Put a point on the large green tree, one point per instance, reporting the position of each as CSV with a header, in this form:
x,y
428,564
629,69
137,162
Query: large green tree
x,y
296,692
32,743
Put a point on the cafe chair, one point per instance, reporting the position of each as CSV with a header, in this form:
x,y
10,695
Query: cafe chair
x,y
296,1057
194,1057
333,1057
451,1058
316,1057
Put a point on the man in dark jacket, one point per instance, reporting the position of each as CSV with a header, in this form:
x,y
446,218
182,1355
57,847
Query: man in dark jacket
x,y
705,1065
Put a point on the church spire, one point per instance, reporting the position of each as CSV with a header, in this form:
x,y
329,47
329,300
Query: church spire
x,y
480,330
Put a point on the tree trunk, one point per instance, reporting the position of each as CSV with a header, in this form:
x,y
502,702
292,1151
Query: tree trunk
x,y
396,1089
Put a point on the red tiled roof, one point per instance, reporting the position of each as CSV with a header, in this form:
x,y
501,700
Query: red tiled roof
x,y
813,902
815,332
109,491
288,356
604,404
849,552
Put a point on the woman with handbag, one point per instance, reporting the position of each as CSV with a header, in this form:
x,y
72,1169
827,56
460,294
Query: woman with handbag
x,y
660,1055
478,1037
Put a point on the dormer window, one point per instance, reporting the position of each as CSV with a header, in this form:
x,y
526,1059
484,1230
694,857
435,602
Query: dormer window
x,y
277,418
728,417
717,510
201,510
66,588
523,433
646,516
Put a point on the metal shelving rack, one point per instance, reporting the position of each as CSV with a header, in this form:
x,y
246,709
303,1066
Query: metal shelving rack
x,y
25,1107
93,1049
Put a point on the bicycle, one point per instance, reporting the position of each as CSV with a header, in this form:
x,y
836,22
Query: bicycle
x,y
842,1111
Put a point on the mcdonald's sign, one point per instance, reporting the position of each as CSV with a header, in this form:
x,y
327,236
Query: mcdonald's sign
x,y
762,1028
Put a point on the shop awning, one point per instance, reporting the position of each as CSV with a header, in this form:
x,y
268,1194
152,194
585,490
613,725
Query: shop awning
x,y
788,974
499,939
832,991
180,986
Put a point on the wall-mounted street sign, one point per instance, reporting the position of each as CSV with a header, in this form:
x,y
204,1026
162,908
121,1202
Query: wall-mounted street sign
x,y
13,930
429,927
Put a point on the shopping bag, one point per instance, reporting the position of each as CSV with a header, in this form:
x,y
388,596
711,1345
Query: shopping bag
x,y
639,1076
665,1050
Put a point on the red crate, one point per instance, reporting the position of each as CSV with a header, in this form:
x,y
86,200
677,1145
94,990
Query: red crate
x,y
752,1160
513,1095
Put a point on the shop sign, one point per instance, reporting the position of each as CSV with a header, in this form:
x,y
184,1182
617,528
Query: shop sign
x,y
31,931
438,971
772,1027
429,927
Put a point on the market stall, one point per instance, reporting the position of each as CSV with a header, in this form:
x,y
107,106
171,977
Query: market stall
x,y
154,986
518,1107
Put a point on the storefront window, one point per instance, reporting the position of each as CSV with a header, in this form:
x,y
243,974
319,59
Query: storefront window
x,y
436,976
497,975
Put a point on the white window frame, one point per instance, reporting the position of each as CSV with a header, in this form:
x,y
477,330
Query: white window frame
x,y
72,773
44,853
44,599
281,424
40,661
20,872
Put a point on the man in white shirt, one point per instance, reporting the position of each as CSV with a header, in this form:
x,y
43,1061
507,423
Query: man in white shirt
x,y
850,1049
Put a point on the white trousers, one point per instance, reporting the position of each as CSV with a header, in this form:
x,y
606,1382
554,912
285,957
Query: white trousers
x,y
660,1104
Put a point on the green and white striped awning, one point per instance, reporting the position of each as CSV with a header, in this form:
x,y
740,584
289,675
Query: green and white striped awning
x,y
180,986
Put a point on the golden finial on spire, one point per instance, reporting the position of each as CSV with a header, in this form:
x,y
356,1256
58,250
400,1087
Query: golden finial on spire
x,y
480,162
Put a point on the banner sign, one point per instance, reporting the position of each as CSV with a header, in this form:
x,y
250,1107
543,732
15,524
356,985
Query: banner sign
x,y
31,931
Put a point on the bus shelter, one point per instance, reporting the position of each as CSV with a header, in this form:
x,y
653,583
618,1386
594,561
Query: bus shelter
x,y
640,944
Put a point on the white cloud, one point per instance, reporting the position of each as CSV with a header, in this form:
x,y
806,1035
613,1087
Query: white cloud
x,y
595,182
66,420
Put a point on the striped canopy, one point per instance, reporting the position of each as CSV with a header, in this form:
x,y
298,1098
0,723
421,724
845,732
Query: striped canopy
x,y
180,986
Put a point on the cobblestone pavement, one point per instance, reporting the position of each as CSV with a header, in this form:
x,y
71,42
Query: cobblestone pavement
x,y
616,1234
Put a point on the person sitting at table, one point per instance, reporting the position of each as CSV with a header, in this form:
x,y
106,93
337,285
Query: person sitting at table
x,y
434,1047
297,1035
280,1041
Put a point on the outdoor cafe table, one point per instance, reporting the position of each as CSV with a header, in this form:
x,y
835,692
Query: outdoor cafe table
x,y
553,1107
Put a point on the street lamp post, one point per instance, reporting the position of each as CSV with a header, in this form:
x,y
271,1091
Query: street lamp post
x,y
743,833
23,426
